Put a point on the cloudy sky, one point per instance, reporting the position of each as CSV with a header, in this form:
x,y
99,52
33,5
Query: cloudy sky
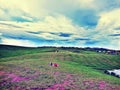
x,y
81,23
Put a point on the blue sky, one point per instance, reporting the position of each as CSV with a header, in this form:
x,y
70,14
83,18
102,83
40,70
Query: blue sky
x,y
79,23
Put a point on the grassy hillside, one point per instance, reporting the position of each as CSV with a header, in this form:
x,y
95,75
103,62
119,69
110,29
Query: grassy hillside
x,y
83,70
9,51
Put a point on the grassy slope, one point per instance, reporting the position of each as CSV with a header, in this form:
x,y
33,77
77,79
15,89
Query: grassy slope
x,y
86,63
9,51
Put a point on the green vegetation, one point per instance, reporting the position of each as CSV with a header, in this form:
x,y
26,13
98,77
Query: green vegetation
x,y
9,51
85,64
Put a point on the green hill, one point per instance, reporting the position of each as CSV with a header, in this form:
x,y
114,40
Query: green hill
x,y
9,51
83,65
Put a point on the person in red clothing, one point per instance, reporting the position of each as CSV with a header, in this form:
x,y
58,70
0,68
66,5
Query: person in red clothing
x,y
55,65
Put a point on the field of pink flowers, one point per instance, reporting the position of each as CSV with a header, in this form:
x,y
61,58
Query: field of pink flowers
x,y
22,76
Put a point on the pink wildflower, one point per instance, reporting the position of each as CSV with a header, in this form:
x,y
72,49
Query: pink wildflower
x,y
102,85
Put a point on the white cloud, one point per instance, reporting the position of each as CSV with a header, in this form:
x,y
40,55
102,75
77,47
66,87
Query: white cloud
x,y
17,7
106,27
52,18
109,20
115,44
43,8
0,34
17,42
0,37
86,3
107,24
58,24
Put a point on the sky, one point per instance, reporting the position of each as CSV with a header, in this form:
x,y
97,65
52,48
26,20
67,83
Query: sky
x,y
71,23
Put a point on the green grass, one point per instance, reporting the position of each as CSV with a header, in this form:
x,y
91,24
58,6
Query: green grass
x,y
97,61
86,64
10,51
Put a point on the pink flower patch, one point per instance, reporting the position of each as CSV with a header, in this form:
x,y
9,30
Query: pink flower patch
x,y
2,73
56,87
86,82
68,76
49,89
56,73
101,85
16,78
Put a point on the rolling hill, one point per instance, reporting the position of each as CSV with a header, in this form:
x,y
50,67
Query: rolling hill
x,y
79,69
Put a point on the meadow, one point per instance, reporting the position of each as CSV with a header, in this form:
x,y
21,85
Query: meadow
x,y
24,68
